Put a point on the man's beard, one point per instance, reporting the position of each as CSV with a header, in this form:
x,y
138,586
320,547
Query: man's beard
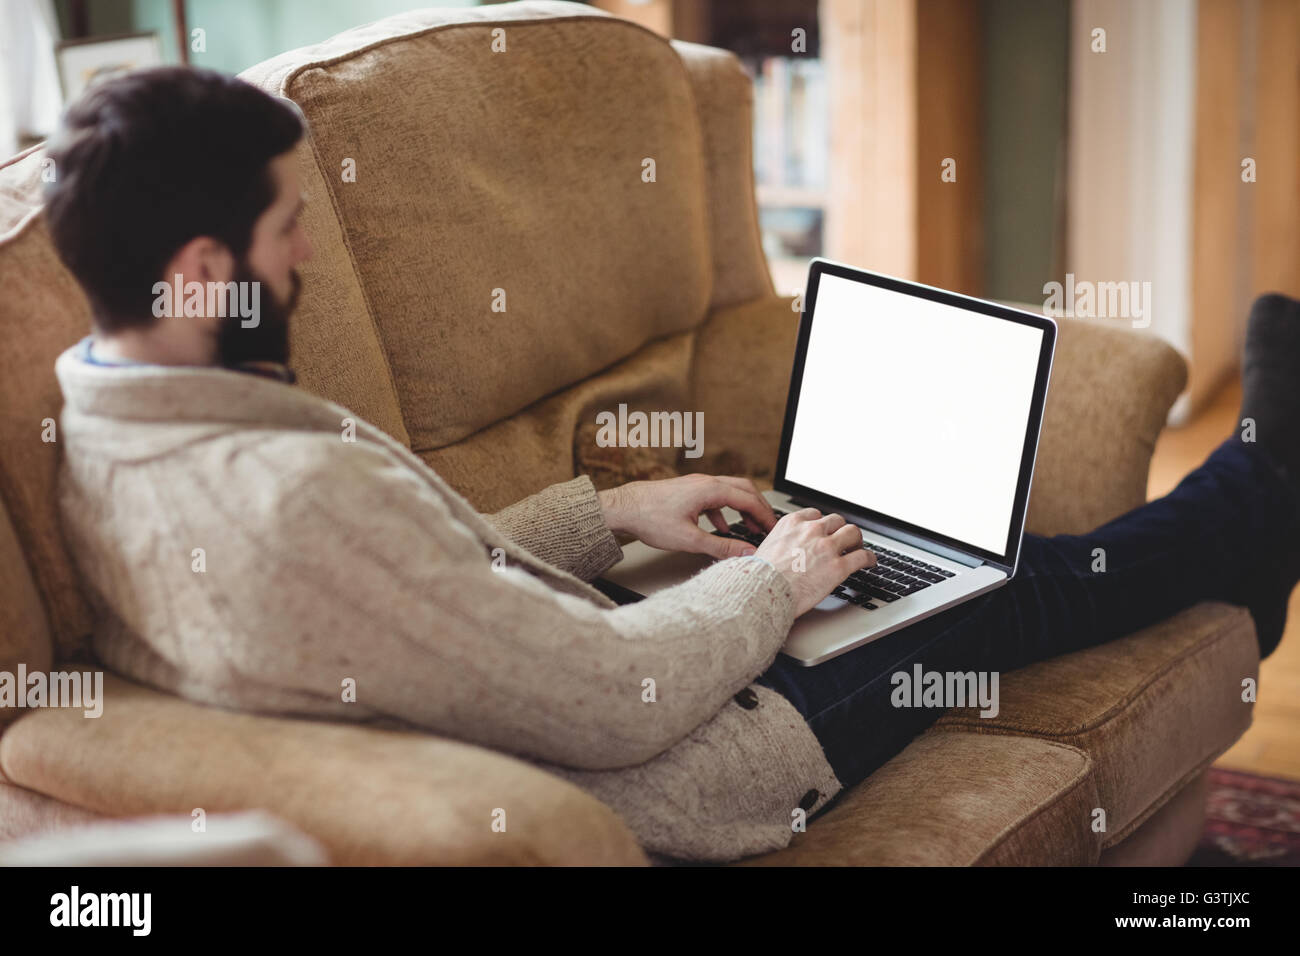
x,y
268,340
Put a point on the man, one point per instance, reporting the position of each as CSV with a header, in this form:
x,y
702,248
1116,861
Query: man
x,y
241,553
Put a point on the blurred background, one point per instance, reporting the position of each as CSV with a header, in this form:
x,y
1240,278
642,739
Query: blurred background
x,y
991,147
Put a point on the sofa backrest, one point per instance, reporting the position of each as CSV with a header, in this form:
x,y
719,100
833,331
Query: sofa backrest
x,y
522,191
519,213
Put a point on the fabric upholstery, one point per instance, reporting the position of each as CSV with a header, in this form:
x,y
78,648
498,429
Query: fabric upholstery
x,y
255,838
1110,393
335,347
25,813
1152,709
958,800
369,796
724,97
740,377
554,439
24,634
42,312
490,163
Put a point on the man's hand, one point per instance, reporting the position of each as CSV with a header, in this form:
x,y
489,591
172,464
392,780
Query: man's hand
x,y
814,552
665,514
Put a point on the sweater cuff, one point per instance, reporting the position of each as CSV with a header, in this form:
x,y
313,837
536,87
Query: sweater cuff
x,y
598,549
564,526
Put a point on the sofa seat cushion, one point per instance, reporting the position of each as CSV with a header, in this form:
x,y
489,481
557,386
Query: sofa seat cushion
x,y
957,799
1152,709
369,795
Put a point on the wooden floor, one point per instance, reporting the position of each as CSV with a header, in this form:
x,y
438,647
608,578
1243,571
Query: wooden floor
x,y
1272,745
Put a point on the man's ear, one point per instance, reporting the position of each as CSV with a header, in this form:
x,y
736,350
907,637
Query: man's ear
x,y
202,259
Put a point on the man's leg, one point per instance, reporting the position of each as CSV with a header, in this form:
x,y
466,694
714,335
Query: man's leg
x,y
1220,535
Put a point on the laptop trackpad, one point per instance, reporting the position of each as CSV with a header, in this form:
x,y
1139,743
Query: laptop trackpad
x,y
645,570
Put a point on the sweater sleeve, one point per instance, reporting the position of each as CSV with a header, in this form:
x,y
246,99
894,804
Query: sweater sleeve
x,y
356,568
564,526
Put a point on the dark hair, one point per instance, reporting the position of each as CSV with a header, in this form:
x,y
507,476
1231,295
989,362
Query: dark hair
x,y
147,161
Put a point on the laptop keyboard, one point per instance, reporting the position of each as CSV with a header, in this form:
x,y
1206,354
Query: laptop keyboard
x,y
895,575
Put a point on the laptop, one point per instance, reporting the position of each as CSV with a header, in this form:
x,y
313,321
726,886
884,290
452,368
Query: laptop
x,y
915,414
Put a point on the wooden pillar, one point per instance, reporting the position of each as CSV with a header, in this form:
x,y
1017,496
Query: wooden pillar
x,y
949,170
870,51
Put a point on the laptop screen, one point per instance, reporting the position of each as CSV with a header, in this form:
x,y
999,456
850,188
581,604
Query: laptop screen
x,y
915,409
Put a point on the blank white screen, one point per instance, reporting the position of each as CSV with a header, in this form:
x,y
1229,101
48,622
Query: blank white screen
x,y
915,409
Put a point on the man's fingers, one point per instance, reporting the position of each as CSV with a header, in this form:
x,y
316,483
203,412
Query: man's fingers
x,y
846,536
859,560
765,517
721,548
719,522
833,521
748,503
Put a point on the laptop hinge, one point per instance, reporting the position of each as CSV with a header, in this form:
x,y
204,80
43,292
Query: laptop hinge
x,y
915,540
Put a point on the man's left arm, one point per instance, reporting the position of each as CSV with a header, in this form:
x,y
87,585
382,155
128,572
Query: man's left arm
x,y
571,525
563,525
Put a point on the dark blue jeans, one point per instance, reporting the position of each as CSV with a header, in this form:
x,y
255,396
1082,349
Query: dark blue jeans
x,y
1223,529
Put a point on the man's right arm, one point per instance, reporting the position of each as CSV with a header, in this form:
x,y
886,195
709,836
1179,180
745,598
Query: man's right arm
x,y
359,570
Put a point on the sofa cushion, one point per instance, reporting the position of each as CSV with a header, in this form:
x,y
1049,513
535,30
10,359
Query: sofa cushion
x,y
740,377
481,174
1110,393
254,838
1152,709
953,799
24,632
26,813
724,96
333,343
369,795
556,438
42,312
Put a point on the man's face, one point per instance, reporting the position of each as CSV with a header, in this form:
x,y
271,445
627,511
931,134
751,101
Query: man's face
x,y
278,245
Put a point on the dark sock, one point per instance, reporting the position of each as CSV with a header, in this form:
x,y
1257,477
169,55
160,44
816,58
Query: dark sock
x,y
1270,381
1270,410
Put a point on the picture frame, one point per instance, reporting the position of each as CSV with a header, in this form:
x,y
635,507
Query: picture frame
x,y
82,63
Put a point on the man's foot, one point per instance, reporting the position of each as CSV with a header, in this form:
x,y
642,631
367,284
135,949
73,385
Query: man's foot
x,y
1270,380
1270,415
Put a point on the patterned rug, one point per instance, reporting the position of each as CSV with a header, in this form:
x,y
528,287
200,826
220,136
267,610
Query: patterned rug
x,y
1249,821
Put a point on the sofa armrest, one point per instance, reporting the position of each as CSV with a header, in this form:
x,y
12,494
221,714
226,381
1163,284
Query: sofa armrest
x,y
1109,397
1108,401
369,796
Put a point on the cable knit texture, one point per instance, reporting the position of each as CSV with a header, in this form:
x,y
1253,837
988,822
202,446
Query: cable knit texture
x,y
241,551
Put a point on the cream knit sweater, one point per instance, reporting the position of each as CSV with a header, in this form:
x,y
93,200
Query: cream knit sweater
x,y
326,564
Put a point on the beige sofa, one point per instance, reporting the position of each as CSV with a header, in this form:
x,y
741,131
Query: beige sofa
x,y
522,170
